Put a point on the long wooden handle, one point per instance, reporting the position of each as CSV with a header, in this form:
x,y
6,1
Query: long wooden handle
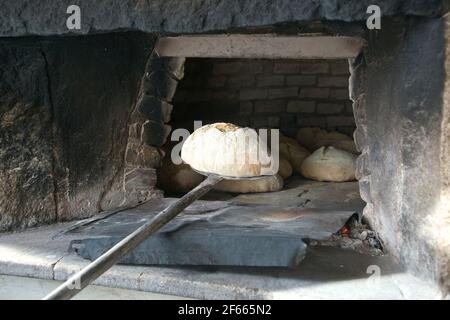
x,y
95,269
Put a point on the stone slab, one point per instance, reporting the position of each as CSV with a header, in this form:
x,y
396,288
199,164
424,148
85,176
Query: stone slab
x,y
20,18
304,193
216,233
326,273
25,288
259,47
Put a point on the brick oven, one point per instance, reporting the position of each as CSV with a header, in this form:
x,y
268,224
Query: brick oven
x,y
287,94
87,117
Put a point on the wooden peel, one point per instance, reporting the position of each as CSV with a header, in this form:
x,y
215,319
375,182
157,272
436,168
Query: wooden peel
x,y
95,269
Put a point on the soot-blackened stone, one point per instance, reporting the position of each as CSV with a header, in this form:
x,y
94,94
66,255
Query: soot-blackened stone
x,y
155,133
159,84
154,108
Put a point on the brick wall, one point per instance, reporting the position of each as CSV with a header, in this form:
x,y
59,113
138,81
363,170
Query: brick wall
x,y
285,94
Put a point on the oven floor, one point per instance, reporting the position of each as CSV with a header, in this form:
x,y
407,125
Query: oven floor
x,y
325,273
305,193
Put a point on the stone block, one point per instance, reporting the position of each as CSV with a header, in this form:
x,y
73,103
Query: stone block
x,y
273,121
246,108
174,66
301,80
154,108
286,67
314,67
206,237
241,81
223,95
364,189
362,166
131,154
216,82
134,131
139,178
338,121
270,81
340,67
159,84
142,155
155,133
227,68
151,156
330,108
360,111
215,16
259,121
299,106
333,82
360,138
253,67
286,92
253,94
270,106
339,94
64,117
319,93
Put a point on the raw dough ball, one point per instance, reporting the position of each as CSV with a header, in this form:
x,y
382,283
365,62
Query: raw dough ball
x,y
228,150
330,164
263,184
293,152
177,178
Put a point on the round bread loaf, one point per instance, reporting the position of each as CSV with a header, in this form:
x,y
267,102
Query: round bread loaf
x,y
293,152
314,138
177,178
346,145
263,184
307,137
330,164
285,169
228,150
326,139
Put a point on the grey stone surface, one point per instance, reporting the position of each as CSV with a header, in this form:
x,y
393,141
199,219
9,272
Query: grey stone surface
x,y
155,133
154,108
398,87
158,83
26,152
26,288
214,234
414,123
64,107
174,66
303,193
326,273
19,18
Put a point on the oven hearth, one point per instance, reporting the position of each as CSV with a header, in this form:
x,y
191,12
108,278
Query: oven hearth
x,y
90,120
